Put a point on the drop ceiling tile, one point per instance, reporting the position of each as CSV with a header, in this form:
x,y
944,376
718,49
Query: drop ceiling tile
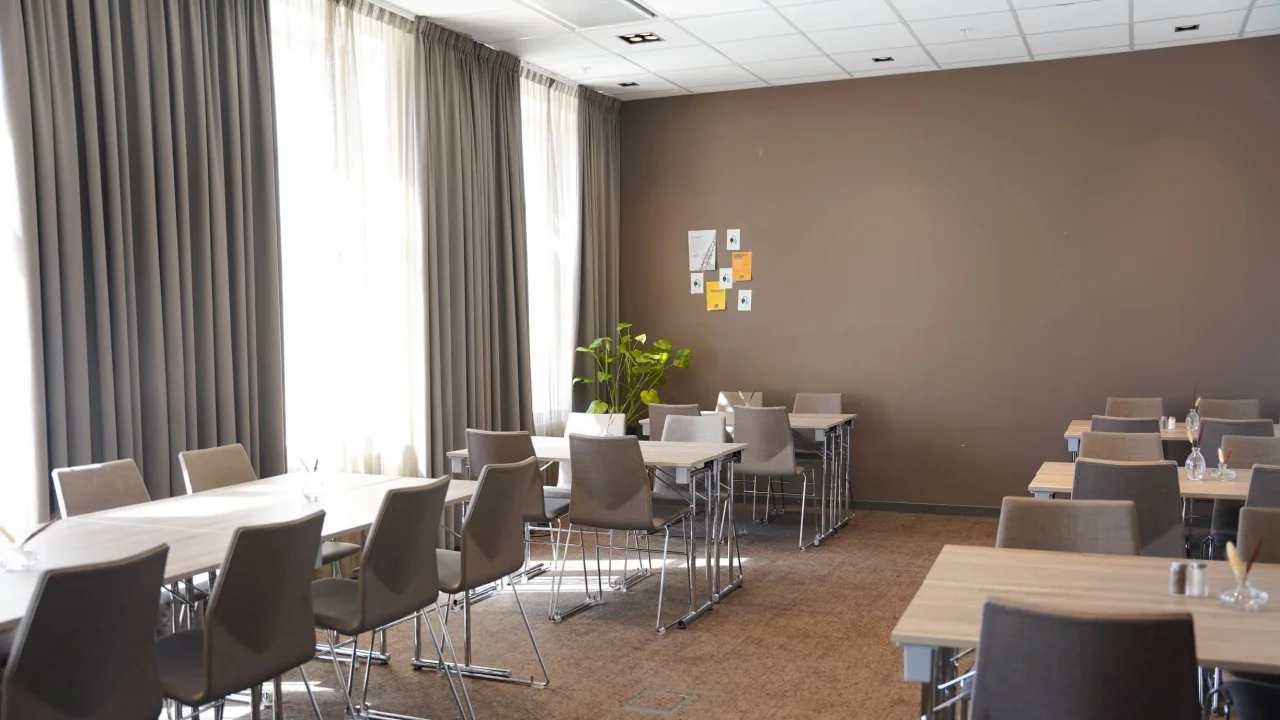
x,y
1077,40
795,67
738,26
556,47
1260,33
1188,41
864,38
691,8
810,79
1264,18
683,58
1082,53
727,87
1153,9
983,63
977,50
582,69
646,83
965,28
709,76
1153,31
672,36
1023,4
652,94
1056,18
445,8
928,9
498,25
858,62
835,14
895,71
780,47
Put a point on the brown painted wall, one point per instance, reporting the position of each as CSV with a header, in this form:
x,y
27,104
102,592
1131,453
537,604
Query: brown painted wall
x,y
972,257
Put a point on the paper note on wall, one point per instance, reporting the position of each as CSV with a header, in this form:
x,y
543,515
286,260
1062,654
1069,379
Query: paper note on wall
x,y
742,266
715,296
702,250
734,240
726,278
695,283
744,300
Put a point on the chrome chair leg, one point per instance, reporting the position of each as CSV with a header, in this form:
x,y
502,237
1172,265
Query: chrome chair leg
x,y
315,707
529,629
662,578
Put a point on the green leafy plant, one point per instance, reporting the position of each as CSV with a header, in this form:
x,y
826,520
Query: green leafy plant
x,y
629,373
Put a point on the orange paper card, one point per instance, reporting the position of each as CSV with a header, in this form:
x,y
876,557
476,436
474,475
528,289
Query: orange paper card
x,y
742,266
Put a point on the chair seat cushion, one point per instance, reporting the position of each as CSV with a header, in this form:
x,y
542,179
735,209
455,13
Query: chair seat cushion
x,y
181,662
553,508
333,551
667,511
553,492
336,603
449,567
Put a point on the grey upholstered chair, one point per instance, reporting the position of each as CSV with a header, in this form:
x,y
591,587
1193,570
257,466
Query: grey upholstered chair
x,y
103,486
73,659
1254,696
1230,409
1264,486
1213,435
227,465
1104,423
1134,407
1079,526
1050,666
259,624
491,544
398,579
730,399
1257,523
584,424
700,429
658,415
1152,486
1133,447
770,454
1249,451
612,493
824,403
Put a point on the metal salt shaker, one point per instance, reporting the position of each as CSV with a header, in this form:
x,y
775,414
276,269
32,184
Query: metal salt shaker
x,y
1197,579
1178,578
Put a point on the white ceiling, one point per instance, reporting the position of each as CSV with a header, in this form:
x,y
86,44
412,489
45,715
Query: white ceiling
x,y
716,45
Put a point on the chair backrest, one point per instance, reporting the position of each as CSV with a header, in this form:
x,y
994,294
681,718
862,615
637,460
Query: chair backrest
x,y
658,415
610,424
104,486
1153,488
1136,447
1134,407
612,491
1259,523
486,447
1249,451
86,647
770,451
700,429
1264,486
1051,666
1104,423
398,573
492,535
1230,409
260,622
730,399
1212,431
824,403
1079,526
215,468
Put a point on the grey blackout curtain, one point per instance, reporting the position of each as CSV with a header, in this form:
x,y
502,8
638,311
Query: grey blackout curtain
x,y
156,231
600,170
471,181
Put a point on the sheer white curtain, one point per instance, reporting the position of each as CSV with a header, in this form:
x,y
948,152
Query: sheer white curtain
x,y
549,114
351,259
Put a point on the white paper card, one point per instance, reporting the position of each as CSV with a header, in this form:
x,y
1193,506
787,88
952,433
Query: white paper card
x,y
726,278
734,241
702,250
744,300
695,284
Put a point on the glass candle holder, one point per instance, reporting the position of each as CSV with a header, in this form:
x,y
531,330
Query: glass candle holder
x,y
17,559
1244,597
312,487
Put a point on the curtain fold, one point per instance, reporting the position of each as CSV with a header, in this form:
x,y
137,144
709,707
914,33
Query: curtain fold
x,y
154,170
600,159
471,186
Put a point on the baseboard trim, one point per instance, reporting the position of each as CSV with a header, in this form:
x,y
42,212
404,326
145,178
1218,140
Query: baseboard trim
x,y
927,508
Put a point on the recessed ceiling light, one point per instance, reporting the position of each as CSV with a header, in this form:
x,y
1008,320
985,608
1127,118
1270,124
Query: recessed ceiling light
x,y
1186,28
637,38
886,58
629,83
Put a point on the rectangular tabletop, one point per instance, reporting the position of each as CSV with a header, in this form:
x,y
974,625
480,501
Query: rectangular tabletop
x,y
799,421
664,454
947,609
1059,477
1076,427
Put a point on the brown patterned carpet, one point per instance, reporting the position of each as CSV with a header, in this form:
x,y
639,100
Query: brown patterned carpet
x,y
807,636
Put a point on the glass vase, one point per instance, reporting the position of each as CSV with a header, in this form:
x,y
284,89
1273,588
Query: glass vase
x,y
1244,597
1195,464
1193,421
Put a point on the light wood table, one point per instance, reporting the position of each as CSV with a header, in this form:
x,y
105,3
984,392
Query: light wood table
x,y
1056,478
1076,427
705,465
946,612
198,528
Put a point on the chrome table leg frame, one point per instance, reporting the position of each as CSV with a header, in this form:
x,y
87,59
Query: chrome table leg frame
x,y
933,668
726,532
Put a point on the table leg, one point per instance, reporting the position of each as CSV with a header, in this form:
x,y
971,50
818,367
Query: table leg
x,y
941,670
728,525
1043,494
1073,447
459,467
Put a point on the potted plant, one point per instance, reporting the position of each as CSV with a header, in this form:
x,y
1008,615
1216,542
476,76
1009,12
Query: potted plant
x,y
628,374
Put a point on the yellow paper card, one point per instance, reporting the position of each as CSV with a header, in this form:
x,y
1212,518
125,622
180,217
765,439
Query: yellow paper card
x,y
715,296
742,266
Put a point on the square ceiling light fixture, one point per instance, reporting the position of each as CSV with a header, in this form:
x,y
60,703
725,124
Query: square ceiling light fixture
x,y
638,38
